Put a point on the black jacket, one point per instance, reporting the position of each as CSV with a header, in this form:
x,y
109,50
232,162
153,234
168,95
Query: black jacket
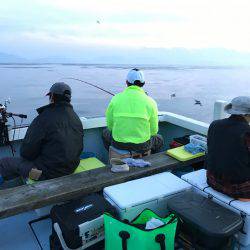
x,y
228,156
54,140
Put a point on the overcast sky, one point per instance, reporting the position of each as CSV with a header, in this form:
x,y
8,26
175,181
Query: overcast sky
x,y
37,26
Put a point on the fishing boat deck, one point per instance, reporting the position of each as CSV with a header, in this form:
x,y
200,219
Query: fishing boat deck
x,y
24,198
17,204
16,233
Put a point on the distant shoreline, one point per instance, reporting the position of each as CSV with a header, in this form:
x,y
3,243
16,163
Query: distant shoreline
x,y
125,66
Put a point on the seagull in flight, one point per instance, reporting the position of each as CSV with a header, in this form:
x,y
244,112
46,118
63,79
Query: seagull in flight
x,y
98,22
197,102
172,95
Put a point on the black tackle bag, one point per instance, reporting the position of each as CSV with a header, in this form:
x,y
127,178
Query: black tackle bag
x,y
78,224
204,222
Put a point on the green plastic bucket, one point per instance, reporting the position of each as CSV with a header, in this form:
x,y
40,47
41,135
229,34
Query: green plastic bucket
x,y
120,235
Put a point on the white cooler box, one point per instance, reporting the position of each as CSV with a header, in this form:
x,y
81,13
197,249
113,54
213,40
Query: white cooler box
x,y
198,180
132,197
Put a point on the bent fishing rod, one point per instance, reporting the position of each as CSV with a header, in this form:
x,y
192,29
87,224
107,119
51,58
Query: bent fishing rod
x,y
79,80
4,134
90,84
67,78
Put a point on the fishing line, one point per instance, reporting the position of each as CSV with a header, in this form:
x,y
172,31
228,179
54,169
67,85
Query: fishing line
x,y
79,80
90,84
68,78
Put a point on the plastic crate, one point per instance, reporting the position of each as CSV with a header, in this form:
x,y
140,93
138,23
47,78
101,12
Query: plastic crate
x,y
199,140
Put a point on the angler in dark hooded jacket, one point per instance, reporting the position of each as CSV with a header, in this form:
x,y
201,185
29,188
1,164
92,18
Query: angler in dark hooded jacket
x,y
53,142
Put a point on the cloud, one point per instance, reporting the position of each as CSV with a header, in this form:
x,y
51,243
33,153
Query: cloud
x,y
138,23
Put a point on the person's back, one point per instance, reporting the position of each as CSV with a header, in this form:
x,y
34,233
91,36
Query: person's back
x,y
228,153
228,156
62,134
53,142
132,118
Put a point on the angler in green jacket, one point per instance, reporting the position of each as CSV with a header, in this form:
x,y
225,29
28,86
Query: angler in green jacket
x,y
132,118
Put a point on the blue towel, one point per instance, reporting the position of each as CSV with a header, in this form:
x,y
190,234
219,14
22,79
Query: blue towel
x,y
136,162
193,149
85,155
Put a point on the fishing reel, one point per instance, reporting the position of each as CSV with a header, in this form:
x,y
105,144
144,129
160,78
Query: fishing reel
x,y
4,115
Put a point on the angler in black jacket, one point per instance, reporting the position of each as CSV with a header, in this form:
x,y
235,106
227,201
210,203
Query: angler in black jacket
x,y
228,158
53,142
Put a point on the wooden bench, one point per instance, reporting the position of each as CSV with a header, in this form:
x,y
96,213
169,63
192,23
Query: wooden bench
x,y
28,197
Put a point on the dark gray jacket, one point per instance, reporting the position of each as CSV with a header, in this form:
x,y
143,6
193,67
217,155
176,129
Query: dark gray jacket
x,y
228,155
54,140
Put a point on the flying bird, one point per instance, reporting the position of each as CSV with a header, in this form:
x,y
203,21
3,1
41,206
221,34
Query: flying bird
x,y
98,22
173,95
197,102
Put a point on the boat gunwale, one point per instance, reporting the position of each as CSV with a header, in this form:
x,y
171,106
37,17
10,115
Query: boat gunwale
x,y
100,122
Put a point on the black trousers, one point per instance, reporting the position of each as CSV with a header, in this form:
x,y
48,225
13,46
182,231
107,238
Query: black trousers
x,y
15,166
155,143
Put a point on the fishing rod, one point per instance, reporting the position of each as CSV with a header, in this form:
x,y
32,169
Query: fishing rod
x,y
69,78
91,84
4,134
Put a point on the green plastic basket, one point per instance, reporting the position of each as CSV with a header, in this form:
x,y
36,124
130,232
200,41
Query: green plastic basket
x,y
120,235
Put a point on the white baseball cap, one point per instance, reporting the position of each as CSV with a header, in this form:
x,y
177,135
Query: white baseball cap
x,y
135,75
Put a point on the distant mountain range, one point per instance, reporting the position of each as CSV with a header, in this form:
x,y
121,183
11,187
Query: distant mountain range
x,y
8,58
175,56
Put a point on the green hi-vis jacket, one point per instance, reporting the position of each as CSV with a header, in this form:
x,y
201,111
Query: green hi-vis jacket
x,y
132,116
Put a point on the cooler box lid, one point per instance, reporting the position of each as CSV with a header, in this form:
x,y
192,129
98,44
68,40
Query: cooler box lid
x,y
205,215
140,191
197,178
242,206
182,155
219,196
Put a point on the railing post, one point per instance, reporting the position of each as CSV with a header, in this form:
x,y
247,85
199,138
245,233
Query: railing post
x,y
219,112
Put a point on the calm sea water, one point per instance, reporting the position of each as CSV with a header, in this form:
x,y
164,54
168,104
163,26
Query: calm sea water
x,y
27,85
